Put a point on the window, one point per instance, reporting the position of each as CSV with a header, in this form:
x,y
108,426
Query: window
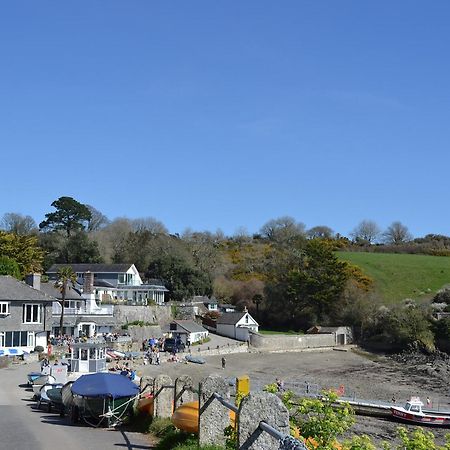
x,y
16,339
31,313
2,339
125,278
30,339
4,308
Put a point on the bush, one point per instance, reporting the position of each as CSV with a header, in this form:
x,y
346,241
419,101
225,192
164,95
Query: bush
x,y
39,349
161,427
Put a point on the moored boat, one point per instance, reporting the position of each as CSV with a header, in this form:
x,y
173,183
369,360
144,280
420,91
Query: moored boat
x,y
413,412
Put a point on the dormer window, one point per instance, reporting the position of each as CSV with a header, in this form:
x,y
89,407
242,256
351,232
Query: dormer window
x,y
4,309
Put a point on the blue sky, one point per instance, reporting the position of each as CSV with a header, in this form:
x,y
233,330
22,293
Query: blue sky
x,y
225,114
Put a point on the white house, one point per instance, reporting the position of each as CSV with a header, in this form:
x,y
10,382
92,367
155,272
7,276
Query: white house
x,y
116,283
188,330
236,325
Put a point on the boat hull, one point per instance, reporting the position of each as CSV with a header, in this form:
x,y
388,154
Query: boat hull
x,y
421,419
93,409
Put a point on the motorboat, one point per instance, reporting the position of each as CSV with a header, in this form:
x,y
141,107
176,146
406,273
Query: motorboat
x,y
43,394
414,412
41,381
102,398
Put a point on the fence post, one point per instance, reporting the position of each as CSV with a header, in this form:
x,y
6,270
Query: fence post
x,y
214,417
164,396
183,396
261,407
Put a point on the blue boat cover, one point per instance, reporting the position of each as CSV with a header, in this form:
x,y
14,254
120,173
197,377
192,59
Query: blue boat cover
x,y
104,385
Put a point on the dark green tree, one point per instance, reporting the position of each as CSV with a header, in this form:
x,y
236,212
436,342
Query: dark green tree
x,y
70,216
319,282
182,279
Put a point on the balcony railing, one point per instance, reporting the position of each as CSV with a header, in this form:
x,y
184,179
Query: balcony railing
x,y
105,310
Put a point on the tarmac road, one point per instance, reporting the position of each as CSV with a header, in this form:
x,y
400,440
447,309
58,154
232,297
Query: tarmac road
x,y
23,427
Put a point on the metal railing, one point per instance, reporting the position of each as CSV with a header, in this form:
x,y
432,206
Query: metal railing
x,y
106,310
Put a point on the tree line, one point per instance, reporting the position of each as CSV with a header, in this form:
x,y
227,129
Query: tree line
x,y
288,276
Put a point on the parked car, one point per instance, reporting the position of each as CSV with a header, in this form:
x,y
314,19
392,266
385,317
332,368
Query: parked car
x,y
170,344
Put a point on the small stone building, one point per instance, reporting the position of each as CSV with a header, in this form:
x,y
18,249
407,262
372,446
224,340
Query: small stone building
x,y
343,335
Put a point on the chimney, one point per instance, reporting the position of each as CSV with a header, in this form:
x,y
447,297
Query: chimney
x,y
34,280
88,285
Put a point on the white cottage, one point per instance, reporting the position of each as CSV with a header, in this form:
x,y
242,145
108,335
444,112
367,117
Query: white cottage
x,y
236,325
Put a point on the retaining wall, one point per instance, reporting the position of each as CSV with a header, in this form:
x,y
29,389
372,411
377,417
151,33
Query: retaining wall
x,y
285,343
151,314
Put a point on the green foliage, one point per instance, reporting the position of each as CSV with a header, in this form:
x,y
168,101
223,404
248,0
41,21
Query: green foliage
x,y
320,420
182,279
70,216
202,341
231,436
173,438
319,283
137,323
400,276
39,349
79,249
418,439
9,266
401,326
161,427
22,249
359,443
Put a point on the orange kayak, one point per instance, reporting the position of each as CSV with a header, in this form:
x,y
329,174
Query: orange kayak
x,y
186,417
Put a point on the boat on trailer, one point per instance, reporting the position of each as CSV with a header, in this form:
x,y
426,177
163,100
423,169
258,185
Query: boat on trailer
x,y
102,398
414,412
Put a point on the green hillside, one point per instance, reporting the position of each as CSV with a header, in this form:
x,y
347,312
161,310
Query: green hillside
x,y
400,276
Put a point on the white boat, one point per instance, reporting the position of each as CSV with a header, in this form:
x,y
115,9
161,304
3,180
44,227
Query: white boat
x,y
413,412
41,381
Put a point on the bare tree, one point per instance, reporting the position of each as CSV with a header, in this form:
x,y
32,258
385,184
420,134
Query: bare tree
x,y
18,224
366,231
282,229
150,224
97,221
320,231
397,233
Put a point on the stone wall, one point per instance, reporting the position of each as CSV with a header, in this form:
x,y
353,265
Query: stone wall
x,y
139,334
286,343
223,350
150,314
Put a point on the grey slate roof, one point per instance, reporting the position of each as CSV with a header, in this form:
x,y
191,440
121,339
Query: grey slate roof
x,y
14,290
49,289
96,268
230,318
190,326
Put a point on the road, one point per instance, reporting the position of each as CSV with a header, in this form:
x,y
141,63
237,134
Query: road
x,y
23,427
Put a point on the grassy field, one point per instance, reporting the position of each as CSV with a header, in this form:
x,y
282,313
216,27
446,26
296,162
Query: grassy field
x,y
263,331
400,276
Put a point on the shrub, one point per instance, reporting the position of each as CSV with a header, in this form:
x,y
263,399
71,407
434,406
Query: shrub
x,y
39,349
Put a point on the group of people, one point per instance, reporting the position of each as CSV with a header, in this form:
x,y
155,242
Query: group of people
x,y
124,370
152,356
